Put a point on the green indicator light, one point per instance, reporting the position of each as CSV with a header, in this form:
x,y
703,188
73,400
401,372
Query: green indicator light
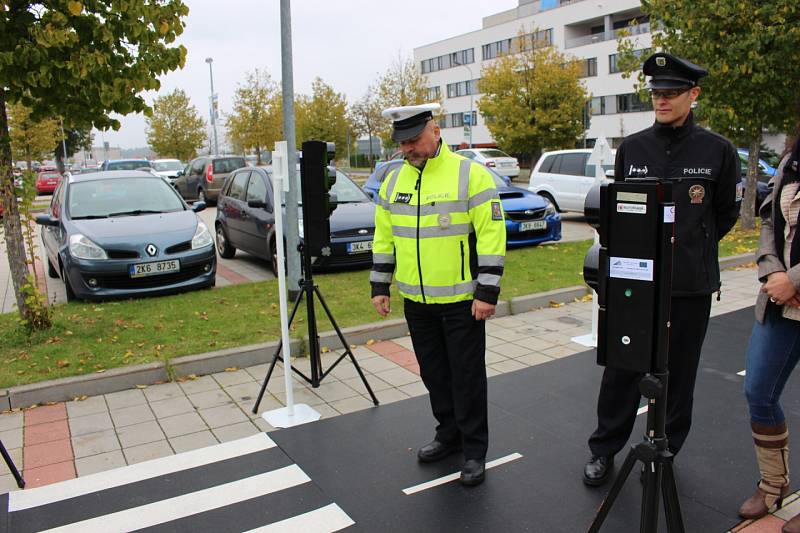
x,y
628,293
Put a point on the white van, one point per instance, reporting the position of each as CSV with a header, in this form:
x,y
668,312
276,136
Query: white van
x,y
564,177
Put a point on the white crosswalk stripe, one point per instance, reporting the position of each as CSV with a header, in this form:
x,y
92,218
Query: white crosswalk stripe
x,y
172,493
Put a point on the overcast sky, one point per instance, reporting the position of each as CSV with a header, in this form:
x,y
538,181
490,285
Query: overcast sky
x,y
347,43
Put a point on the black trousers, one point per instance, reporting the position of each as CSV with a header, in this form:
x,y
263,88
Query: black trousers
x,y
451,350
619,391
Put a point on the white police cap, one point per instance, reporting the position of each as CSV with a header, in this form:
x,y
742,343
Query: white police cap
x,y
409,121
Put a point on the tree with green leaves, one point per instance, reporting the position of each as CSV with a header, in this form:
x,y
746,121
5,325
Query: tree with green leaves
x,y
401,84
31,140
82,61
533,98
751,51
75,139
366,118
175,128
322,116
256,121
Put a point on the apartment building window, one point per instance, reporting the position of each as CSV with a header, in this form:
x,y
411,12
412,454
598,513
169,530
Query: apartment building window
x,y
617,103
462,88
517,44
613,66
456,120
588,67
462,57
434,93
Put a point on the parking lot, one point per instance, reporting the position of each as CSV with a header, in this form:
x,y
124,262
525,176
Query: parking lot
x,y
243,268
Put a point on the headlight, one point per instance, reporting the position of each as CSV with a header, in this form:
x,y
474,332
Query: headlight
x,y
202,237
549,210
81,247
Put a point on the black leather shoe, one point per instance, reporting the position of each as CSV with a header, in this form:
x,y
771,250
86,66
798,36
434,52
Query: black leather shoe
x,y
473,472
597,470
436,451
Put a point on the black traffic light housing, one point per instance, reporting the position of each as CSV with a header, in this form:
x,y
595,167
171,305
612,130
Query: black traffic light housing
x,y
317,176
631,270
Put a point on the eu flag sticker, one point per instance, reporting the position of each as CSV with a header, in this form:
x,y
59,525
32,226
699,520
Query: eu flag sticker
x,y
497,212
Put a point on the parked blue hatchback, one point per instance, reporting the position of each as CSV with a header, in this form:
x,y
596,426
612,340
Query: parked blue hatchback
x,y
125,233
530,218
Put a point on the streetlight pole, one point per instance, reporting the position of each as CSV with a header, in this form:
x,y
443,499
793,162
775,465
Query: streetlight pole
x,y
471,100
213,110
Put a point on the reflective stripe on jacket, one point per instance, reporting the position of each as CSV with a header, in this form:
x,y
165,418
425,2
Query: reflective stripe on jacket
x,y
440,231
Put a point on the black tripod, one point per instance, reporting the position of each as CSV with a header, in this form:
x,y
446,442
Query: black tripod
x,y
657,463
317,372
12,466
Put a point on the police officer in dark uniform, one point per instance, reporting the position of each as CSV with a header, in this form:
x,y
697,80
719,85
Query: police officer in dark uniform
x,y
704,169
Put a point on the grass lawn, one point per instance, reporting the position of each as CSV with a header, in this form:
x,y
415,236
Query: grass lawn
x,y
90,338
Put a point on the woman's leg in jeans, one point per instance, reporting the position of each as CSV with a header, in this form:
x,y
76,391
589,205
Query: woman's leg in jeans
x,y
771,356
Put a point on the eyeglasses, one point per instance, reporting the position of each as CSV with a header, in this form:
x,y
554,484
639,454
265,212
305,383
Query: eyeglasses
x,y
669,94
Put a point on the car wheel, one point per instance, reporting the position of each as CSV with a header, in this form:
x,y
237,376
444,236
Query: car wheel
x,y
68,288
550,198
201,196
51,270
223,244
274,257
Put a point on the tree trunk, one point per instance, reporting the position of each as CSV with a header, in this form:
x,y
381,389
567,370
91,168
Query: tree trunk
x,y
15,245
749,206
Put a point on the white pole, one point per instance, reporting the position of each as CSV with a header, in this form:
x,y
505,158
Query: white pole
x,y
277,192
291,415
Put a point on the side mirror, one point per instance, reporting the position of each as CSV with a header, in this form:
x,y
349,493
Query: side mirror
x,y
46,220
610,174
180,172
198,206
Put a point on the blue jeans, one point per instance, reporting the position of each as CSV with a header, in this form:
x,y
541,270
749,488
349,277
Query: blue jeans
x,y
771,356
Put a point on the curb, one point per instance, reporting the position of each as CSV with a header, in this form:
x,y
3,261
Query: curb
x,y
123,378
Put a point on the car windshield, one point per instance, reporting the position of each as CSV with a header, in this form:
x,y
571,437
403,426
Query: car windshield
x,y
128,165
163,166
346,191
494,153
121,197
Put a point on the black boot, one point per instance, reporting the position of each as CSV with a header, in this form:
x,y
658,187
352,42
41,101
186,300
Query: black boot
x,y
436,451
473,472
598,470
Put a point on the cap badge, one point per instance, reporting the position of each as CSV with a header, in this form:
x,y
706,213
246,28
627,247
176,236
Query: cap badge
x,y
697,193
661,61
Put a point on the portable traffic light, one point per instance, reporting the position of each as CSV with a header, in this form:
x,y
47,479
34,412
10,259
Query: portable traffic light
x,y
631,270
317,176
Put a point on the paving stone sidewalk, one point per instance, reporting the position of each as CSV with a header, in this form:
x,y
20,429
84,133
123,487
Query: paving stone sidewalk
x,y
57,442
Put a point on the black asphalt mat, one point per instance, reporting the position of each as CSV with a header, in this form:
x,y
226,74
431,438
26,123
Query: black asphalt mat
x,y
364,460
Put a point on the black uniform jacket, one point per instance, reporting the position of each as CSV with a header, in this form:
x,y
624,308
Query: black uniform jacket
x,y
704,169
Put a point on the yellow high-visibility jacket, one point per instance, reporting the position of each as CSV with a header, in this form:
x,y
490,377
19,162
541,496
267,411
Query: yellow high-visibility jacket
x,y
440,231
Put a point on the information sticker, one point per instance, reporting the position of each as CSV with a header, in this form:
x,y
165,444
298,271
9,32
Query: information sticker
x,y
631,268
636,209
669,214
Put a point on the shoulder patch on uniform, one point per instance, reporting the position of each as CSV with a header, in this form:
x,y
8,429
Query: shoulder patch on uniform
x,y
403,197
497,212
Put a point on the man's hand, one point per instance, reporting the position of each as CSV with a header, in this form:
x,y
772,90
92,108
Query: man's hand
x,y
381,303
482,310
780,288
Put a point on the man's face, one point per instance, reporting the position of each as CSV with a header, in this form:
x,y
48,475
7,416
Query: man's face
x,y
672,106
419,149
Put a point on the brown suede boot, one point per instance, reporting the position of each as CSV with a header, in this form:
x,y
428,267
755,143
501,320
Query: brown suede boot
x,y
772,453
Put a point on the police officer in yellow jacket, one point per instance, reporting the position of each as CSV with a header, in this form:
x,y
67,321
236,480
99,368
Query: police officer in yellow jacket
x,y
439,229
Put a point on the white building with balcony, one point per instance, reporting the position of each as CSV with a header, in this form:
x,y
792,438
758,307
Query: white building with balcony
x,y
586,30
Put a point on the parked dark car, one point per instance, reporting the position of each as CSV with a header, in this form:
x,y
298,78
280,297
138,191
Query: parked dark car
x,y
204,176
530,218
124,164
125,233
246,220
